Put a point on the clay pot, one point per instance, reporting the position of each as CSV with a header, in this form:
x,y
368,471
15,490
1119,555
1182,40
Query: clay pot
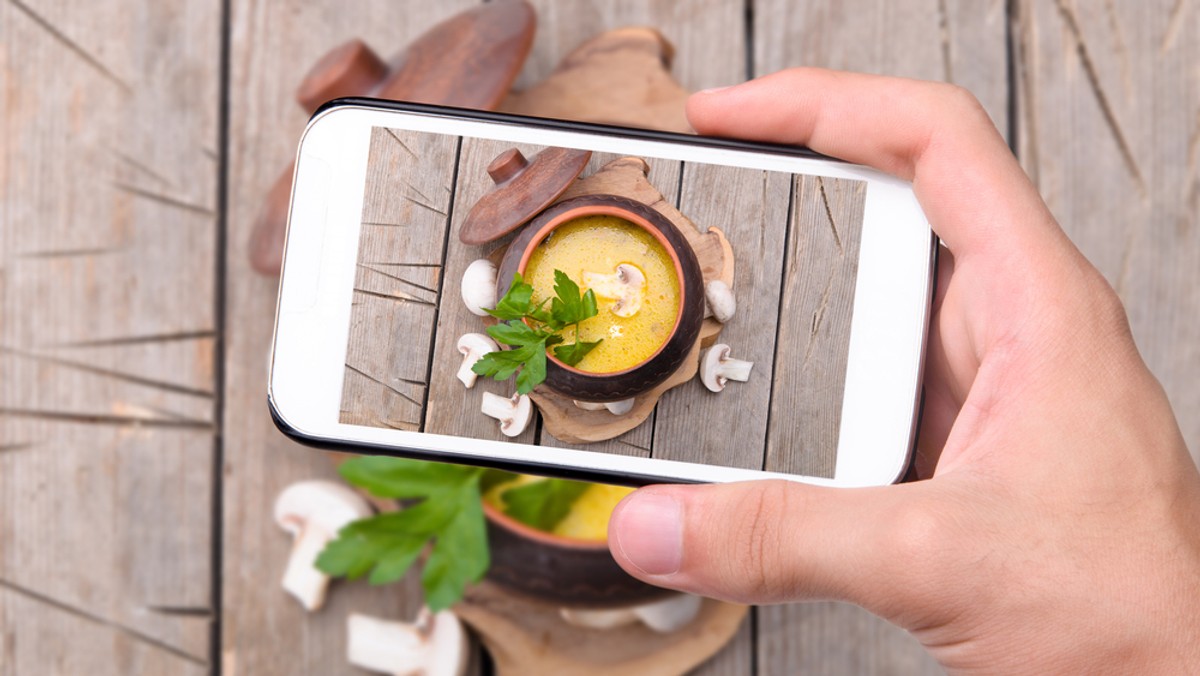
x,y
560,570
642,377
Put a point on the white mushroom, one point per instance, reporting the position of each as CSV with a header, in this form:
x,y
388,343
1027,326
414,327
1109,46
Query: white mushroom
x,y
313,512
666,616
513,412
717,367
614,407
473,346
627,286
718,301
589,405
479,286
670,614
435,645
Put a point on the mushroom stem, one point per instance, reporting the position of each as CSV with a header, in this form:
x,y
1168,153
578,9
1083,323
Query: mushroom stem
x,y
736,369
598,619
301,578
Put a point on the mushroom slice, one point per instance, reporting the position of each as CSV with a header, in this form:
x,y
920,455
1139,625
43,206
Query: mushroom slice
x,y
614,407
435,645
313,512
513,412
473,346
665,616
627,286
479,287
669,615
718,301
717,367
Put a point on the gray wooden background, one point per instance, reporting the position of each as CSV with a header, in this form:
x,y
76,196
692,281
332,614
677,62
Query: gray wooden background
x,y
137,462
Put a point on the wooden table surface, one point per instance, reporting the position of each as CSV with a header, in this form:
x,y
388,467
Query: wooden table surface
x,y
137,462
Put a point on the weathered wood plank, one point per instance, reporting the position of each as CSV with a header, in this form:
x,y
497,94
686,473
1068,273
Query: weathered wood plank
x,y
107,231
813,340
263,630
1109,129
452,408
751,207
405,212
932,39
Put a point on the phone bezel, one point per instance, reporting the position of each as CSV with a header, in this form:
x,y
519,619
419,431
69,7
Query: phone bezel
x,y
877,432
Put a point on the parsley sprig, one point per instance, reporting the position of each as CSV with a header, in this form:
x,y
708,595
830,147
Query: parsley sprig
x,y
530,329
445,510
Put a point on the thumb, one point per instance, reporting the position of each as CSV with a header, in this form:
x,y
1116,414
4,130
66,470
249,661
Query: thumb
x,y
775,541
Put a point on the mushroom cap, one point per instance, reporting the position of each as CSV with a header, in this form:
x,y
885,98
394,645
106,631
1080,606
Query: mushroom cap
x,y
710,366
720,300
620,407
522,413
329,504
479,286
478,343
513,412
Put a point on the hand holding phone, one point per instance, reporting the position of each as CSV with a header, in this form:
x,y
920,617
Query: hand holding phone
x,y
1058,530
594,302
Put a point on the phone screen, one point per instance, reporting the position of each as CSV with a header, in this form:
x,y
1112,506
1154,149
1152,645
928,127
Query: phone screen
x,y
794,241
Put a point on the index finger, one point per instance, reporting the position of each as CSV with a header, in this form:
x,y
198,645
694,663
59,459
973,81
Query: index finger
x,y
974,193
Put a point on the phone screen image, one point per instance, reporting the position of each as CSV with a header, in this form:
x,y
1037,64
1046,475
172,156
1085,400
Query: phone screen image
x,y
794,240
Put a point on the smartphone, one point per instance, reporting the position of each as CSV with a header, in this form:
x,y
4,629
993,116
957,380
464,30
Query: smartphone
x,y
730,310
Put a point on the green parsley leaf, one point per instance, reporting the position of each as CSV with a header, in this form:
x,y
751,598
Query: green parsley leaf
x,y
449,515
517,302
573,353
531,330
542,504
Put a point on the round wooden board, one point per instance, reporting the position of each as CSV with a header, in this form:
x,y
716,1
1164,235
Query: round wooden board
x,y
525,636
627,177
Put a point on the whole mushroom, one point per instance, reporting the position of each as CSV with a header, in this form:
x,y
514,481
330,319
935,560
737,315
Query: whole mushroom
x,y
435,645
717,367
473,346
718,301
666,616
313,512
514,413
479,287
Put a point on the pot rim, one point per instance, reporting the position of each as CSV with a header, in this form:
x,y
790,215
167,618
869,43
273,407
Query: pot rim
x,y
638,220
525,530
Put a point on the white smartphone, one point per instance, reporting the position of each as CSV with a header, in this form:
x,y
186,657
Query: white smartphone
x,y
663,307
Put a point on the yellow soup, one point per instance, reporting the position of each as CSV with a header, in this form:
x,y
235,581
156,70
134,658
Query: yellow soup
x,y
633,276
588,517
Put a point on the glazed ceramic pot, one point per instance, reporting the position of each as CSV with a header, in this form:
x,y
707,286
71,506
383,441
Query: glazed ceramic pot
x,y
565,571
645,375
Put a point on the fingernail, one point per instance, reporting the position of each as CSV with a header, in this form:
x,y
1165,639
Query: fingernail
x,y
649,532
713,90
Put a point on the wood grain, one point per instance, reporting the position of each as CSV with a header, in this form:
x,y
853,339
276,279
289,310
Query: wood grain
x,y
812,344
107,327
751,207
1109,129
406,210
263,630
963,42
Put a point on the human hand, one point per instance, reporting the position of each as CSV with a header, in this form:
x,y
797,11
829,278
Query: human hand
x,y
1060,530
